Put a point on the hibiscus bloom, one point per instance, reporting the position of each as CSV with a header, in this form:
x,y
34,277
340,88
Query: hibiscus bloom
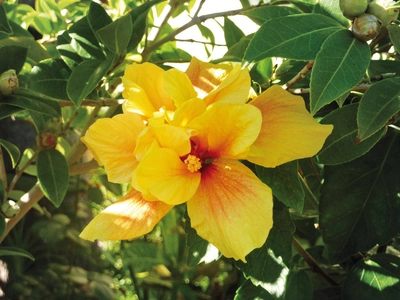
x,y
198,127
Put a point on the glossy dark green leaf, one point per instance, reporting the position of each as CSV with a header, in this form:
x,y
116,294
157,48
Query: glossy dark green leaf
x,y
84,40
50,77
232,32
4,24
341,146
35,51
262,14
53,175
285,184
339,66
34,104
116,35
97,17
236,52
67,52
14,251
359,202
16,56
12,150
3,225
249,291
8,110
139,22
394,34
378,104
85,77
295,36
374,278
384,67
196,244
267,266
299,286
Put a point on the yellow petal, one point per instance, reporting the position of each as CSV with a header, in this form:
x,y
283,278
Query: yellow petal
x,y
112,142
206,77
162,174
227,129
235,88
178,86
232,208
137,101
188,111
150,79
288,130
128,218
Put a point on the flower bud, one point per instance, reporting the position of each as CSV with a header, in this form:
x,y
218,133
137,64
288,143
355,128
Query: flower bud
x,y
8,82
47,140
10,209
366,27
384,11
353,8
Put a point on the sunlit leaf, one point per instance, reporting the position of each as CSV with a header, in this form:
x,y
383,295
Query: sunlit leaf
x,y
374,278
293,36
116,35
339,66
249,291
12,150
378,104
341,146
53,175
232,32
359,203
262,14
67,52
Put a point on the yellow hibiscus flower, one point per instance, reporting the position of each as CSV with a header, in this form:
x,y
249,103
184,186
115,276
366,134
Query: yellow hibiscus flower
x,y
198,127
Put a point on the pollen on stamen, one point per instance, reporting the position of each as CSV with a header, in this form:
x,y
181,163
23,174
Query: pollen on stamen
x,y
193,163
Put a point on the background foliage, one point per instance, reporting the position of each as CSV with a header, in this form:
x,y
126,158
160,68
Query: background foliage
x,y
336,215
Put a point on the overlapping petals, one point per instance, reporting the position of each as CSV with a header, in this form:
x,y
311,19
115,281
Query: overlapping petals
x,y
198,126
288,131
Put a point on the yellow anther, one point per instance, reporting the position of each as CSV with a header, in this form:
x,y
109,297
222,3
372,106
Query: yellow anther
x,y
193,163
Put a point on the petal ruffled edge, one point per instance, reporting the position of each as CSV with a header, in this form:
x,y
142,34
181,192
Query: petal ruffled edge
x,y
232,208
288,131
128,218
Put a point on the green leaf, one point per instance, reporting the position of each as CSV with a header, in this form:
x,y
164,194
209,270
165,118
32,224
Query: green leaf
x,y
394,34
139,21
116,35
275,255
295,36
299,286
331,9
53,175
285,184
35,104
67,52
142,255
378,104
85,77
49,11
260,15
36,51
236,52
359,202
16,56
196,244
2,196
374,278
8,110
249,291
340,146
339,66
384,67
232,33
4,24
14,251
12,150
170,234
50,77
97,17
3,225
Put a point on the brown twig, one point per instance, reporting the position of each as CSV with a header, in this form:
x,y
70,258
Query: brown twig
x,y
307,68
312,263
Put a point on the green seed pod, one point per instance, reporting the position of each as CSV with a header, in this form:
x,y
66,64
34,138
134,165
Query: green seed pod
x,y
353,8
10,209
384,11
366,27
8,82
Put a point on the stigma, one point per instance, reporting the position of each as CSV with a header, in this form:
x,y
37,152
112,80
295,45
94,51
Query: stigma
x,y
193,163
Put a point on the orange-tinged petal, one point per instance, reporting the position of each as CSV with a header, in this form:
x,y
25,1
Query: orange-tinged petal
x,y
137,101
288,130
232,208
112,142
178,86
206,77
188,111
150,78
235,88
128,218
162,174
227,129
